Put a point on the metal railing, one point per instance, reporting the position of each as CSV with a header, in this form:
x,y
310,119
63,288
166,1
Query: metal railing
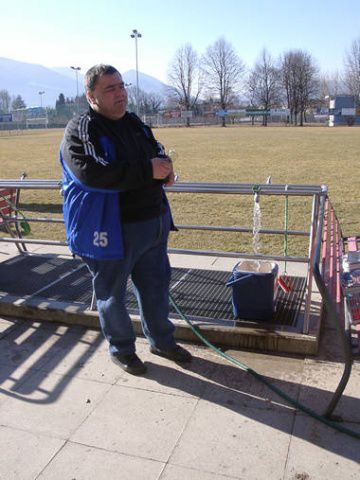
x,y
313,260
316,192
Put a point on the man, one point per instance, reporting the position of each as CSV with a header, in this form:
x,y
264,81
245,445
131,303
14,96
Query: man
x,y
117,217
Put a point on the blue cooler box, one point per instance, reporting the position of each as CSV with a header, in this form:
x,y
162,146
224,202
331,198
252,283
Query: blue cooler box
x,y
254,285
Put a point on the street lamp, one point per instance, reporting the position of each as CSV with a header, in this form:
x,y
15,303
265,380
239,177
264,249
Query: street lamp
x,y
135,34
41,94
76,69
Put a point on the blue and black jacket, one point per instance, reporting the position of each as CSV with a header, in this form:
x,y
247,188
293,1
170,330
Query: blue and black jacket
x,y
107,180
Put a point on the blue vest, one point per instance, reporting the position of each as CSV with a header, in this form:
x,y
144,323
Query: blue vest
x,y
92,218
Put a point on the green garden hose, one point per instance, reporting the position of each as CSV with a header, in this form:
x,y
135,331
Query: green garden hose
x,y
286,227
262,379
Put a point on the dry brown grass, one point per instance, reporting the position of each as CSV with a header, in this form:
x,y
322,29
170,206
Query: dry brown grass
x,y
309,155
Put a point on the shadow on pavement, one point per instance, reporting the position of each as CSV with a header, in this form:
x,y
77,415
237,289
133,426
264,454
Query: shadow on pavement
x,y
32,349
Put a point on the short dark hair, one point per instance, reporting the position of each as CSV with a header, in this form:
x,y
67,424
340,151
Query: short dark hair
x,y
95,72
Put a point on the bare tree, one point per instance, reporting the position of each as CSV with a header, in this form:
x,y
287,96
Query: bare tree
x,y
300,81
5,101
330,85
149,102
352,69
184,77
252,88
308,84
131,92
223,70
264,83
289,78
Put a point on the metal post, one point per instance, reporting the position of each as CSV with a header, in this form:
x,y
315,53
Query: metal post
x,y
136,35
41,94
76,69
313,231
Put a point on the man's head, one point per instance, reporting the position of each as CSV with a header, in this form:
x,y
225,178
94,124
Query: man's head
x,y
105,91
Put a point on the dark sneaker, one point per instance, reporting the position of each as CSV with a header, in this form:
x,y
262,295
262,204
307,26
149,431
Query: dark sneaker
x,y
177,354
130,363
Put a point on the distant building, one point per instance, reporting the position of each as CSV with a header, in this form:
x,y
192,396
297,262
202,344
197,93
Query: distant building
x,y
30,117
23,114
6,117
343,110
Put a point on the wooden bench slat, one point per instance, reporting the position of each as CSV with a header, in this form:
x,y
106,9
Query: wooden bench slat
x,y
7,198
352,244
339,253
332,252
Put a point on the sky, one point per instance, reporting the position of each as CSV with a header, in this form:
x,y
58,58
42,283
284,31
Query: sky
x,y
82,33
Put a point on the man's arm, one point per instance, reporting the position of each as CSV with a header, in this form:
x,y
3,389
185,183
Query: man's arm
x,y
82,152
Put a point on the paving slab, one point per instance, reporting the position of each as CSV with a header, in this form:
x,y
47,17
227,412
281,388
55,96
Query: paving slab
x,y
88,362
173,472
81,462
81,353
19,361
317,452
330,345
187,261
235,386
31,344
51,404
25,454
137,422
86,356
229,439
11,379
40,249
7,251
320,381
167,377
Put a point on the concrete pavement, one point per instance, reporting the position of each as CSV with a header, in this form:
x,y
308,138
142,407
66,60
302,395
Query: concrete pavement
x,y
67,412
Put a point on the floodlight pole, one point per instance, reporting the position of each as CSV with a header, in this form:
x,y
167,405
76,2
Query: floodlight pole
x,y
41,94
76,69
135,34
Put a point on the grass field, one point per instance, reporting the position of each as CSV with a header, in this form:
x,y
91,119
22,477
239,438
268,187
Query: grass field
x,y
309,155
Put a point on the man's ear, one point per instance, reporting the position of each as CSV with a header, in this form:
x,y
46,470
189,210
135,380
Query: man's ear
x,y
90,97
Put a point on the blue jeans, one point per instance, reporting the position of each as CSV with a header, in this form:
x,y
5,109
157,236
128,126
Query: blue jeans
x,y
146,260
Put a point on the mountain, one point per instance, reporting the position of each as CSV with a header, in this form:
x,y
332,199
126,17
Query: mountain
x,y
28,79
146,83
68,72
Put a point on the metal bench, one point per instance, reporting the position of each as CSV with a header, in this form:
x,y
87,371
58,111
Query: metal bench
x,y
351,291
339,311
9,220
12,217
338,251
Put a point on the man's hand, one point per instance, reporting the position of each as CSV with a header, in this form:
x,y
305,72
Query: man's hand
x,y
162,168
170,180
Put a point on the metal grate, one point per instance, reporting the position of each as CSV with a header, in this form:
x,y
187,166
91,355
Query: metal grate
x,y
202,295
76,288
288,304
24,275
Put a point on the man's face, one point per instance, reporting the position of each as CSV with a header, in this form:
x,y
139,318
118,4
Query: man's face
x,y
109,97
